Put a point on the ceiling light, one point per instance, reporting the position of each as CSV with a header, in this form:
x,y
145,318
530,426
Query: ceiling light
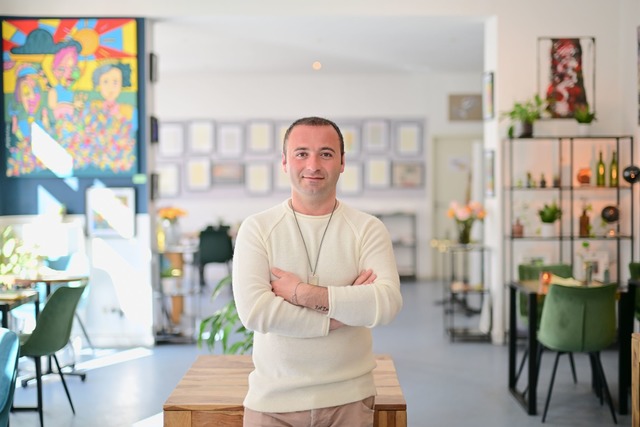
x,y
316,65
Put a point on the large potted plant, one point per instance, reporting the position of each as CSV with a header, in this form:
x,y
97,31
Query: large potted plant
x,y
224,326
525,113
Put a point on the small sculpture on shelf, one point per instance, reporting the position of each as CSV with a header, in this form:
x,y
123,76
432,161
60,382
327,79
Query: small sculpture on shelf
x,y
584,176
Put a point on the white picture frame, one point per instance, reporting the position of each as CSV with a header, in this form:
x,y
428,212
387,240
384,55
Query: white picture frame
x,y
260,137
350,182
258,178
352,138
378,173
168,179
198,174
171,140
111,212
600,262
201,136
407,138
229,140
375,136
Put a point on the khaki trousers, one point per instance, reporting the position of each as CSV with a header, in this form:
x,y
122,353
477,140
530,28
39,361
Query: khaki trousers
x,y
356,414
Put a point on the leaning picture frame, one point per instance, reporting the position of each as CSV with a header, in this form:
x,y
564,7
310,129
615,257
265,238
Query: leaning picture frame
x,y
599,261
110,212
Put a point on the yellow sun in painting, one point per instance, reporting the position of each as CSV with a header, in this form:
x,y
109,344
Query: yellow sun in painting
x,y
89,39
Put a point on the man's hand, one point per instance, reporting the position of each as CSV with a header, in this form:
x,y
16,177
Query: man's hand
x,y
366,277
285,284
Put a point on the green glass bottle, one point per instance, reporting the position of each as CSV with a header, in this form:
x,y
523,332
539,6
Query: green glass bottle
x,y
600,170
613,170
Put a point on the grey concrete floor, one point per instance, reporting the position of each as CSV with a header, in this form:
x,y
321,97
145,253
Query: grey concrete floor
x,y
446,384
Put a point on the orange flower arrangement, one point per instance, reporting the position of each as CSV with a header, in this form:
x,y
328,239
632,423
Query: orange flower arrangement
x,y
171,213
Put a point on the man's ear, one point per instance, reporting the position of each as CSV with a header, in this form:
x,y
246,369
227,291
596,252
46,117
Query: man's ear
x,y
284,162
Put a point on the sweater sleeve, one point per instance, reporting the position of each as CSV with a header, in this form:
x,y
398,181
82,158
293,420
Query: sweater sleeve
x,y
259,308
379,302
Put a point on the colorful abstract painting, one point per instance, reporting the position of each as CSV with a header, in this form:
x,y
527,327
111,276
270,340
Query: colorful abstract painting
x,y
567,74
70,97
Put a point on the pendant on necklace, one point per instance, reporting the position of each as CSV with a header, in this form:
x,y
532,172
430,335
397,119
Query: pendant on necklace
x,y
314,279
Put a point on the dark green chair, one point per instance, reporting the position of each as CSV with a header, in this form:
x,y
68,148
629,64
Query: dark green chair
x,y
634,271
51,334
579,319
9,356
214,246
532,272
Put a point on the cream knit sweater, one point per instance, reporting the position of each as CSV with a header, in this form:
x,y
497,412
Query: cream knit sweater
x,y
299,364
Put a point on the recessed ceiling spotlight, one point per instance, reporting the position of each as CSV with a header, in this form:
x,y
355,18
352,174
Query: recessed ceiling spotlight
x,y
316,65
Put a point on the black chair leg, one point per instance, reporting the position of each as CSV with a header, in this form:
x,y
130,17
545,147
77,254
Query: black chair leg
x,y
64,383
573,368
553,377
38,363
603,380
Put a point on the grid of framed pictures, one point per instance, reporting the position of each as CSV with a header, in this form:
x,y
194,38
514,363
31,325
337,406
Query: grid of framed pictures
x,y
201,155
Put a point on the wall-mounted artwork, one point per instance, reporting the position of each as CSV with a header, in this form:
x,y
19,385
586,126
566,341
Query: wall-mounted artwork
x,y
465,107
566,74
70,97
111,212
487,96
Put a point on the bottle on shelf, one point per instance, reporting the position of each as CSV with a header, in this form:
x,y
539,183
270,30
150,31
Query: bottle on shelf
x,y
584,224
613,170
600,171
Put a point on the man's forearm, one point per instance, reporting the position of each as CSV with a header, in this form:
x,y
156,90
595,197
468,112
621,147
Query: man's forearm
x,y
313,297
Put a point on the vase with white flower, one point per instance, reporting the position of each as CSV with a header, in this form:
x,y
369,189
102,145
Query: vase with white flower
x,y
465,215
169,233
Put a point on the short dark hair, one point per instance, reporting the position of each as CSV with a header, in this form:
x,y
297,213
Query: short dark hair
x,y
313,121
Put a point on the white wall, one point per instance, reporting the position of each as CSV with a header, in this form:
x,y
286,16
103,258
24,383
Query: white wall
x,y
394,96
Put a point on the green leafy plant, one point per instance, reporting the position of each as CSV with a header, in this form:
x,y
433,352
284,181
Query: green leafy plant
x,y
224,326
15,257
583,114
550,212
526,112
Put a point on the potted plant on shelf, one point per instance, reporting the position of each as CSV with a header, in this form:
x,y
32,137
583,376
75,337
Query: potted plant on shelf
x,y
584,116
525,113
549,214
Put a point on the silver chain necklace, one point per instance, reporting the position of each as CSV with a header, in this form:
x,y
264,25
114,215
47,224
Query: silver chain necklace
x,y
313,279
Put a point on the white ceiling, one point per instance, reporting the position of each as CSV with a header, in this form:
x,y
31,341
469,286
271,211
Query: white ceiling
x,y
342,44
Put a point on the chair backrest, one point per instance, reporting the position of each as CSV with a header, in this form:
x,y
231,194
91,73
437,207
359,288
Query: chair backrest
x,y
634,270
532,271
53,325
9,355
578,318
215,245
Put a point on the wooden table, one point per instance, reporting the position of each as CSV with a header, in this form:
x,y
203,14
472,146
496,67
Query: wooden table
x,y
12,299
213,389
626,307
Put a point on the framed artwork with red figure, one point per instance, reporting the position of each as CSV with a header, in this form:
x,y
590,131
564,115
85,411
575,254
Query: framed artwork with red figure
x,y
71,96
566,74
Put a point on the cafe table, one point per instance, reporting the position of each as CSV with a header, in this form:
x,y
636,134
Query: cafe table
x,y
533,291
11,299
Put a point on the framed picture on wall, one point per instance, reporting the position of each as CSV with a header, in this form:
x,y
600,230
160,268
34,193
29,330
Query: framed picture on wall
x,y
111,212
168,179
465,107
351,136
260,137
487,96
258,178
350,182
50,63
227,173
198,174
230,140
378,173
280,178
407,174
407,137
201,136
171,140
375,136
566,74
489,173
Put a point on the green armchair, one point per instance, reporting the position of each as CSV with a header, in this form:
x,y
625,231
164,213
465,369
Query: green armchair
x,y
634,271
